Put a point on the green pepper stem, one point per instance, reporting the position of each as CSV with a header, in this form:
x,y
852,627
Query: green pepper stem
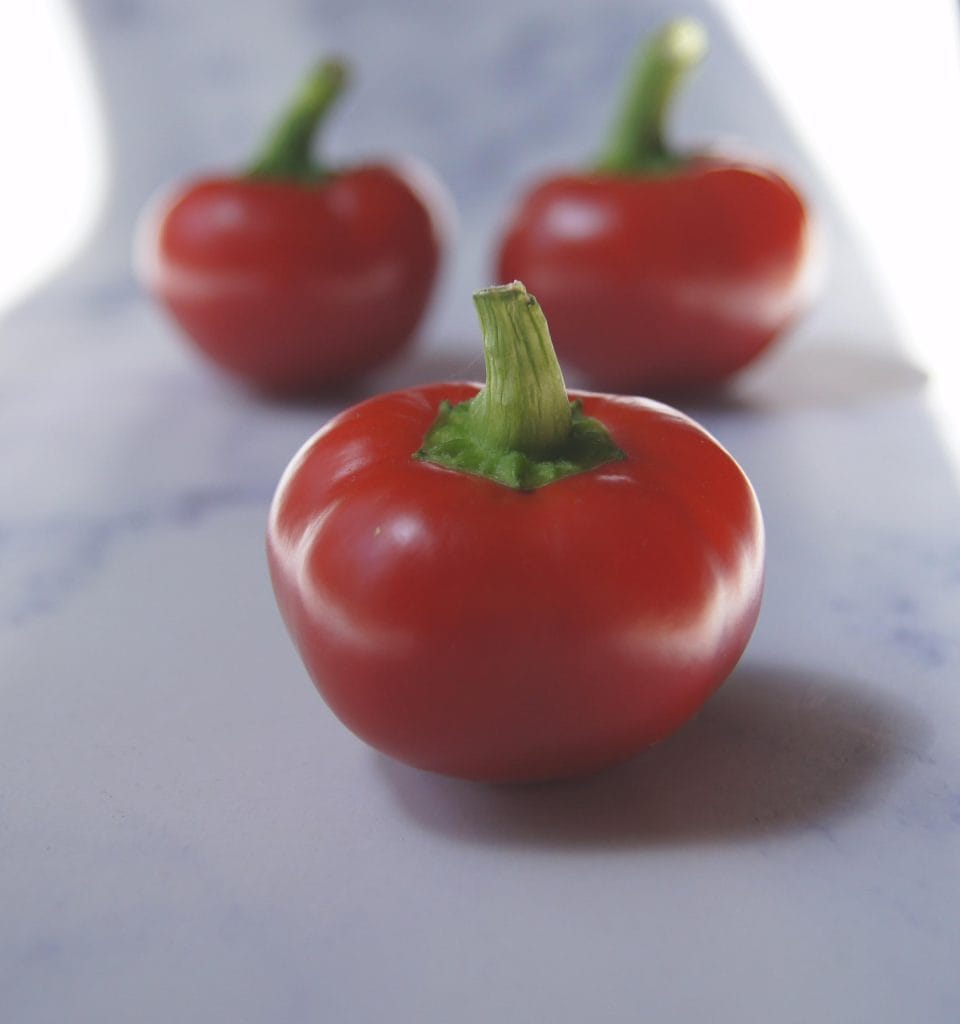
x,y
521,429
524,405
636,143
288,152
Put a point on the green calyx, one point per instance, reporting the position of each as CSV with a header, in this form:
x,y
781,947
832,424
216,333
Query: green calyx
x,y
521,430
637,143
288,153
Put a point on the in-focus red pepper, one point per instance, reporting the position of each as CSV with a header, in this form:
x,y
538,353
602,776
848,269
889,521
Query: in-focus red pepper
x,y
293,276
505,584
661,271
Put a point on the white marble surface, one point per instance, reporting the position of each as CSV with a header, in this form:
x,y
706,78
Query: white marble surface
x,y
186,834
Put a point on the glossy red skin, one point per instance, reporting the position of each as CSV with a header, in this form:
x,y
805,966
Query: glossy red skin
x,y
662,283
470,629
296,287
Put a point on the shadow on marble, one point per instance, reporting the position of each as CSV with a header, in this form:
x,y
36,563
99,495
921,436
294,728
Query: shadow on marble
x,y
823,375
777,750
456,362
819,376
406,371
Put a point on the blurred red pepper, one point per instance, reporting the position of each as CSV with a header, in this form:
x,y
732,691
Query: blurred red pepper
x,y
294,276
661,271
505,584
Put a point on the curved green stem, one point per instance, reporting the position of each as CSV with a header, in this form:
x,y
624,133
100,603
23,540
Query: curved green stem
x,y
524,406
636,143
288,152
521,430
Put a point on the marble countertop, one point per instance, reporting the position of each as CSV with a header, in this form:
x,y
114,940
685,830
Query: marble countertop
x,y
186,833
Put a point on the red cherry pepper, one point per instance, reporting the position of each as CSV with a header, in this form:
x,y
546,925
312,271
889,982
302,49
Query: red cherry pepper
x,y
661,271
502,584
295,277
